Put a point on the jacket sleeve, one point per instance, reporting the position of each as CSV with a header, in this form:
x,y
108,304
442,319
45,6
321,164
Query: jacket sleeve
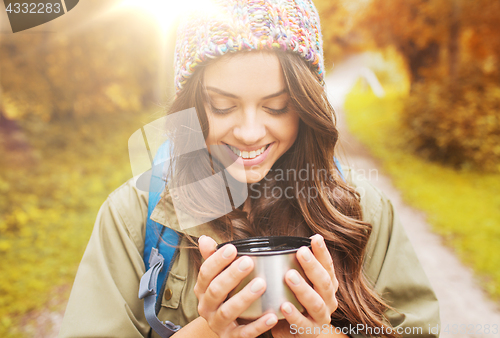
x,y
104,298
393,267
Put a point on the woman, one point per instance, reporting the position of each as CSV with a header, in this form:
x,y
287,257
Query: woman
x,y
254,73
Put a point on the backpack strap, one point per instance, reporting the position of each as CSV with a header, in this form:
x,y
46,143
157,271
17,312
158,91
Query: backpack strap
x,y
337,163
159,249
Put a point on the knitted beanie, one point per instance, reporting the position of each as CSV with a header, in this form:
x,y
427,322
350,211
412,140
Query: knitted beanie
x,y
235,25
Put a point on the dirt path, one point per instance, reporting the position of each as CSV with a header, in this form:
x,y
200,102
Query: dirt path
x,y
461,299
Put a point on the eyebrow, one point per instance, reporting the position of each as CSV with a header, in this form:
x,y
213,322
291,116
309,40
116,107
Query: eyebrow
x,y
221,92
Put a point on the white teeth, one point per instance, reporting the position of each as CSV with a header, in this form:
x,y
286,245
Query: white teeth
x,y
246,154
235,150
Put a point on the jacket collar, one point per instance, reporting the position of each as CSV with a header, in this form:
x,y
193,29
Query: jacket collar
x,y
165,214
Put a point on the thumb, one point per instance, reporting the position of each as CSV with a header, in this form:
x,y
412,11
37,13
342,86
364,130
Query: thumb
x,y
207,246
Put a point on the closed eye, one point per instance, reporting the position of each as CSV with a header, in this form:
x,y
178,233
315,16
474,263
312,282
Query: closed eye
x,y
278,111
220,111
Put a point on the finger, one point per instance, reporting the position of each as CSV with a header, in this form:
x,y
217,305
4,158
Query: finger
x,y
213,266
323,282
308,297
230,310
226,281
257,327
322,254
207,246
293,316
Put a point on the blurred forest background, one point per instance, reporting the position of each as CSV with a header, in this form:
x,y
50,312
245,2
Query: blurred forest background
x,y
73,91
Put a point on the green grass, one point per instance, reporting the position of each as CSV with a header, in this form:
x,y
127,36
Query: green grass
x,y
462,206
48,207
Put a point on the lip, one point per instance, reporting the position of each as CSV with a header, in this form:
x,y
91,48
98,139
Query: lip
x,y
248,149
250,162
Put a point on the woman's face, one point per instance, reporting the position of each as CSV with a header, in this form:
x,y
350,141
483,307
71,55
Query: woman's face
x,y
251,119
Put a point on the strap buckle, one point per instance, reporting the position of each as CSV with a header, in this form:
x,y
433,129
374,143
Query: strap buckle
x,y
155,257
148,282
172,326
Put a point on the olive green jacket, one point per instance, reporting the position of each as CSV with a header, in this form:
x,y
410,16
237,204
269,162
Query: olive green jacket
x,y
104,299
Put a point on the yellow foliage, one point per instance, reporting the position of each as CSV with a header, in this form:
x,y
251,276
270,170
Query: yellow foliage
x,y
11,110
48,208
456,122
122,98
4,246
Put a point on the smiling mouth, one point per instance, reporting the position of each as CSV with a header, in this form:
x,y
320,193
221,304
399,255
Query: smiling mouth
x,y
248,154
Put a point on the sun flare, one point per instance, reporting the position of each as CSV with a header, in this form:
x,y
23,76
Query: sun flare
x,y
166,12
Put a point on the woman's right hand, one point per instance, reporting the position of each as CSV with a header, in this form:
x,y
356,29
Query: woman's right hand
x,y
215,282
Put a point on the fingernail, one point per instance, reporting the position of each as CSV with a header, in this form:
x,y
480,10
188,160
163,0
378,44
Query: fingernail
x,y
244,264
228,251
286,308
306,254
321,241
257,285
294,278
271,321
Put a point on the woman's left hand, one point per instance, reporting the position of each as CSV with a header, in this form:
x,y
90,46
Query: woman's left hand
x,y
319,300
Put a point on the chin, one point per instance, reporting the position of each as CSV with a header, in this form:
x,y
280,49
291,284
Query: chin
x,y
247,176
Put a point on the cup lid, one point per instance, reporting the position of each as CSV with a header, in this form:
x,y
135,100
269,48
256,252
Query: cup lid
x,y
268,245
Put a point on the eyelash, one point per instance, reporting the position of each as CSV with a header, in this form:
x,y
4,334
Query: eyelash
x,y
226,111
220,111
279,111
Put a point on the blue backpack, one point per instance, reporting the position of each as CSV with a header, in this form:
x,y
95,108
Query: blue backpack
x,y
160,248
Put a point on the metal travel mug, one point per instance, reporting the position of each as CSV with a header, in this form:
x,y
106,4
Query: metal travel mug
x,y
273,257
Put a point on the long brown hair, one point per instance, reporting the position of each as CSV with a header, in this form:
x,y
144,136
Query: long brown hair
x,y
334,211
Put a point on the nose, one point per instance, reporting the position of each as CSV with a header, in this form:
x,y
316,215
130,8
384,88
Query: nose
x,y
251,129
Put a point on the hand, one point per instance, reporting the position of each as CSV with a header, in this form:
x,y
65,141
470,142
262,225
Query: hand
x,y
319,301
215,282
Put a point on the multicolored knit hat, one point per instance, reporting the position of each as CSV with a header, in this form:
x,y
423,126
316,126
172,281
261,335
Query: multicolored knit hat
x,y
235,25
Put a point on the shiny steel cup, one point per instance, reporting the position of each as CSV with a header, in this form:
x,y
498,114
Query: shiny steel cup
x,y
272,257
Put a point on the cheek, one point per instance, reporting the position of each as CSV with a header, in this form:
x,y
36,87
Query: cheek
x,y
217,128
288,130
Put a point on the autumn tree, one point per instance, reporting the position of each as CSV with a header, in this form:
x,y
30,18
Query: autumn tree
x,y
340,37
451,48
480,38
92,63
418,29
